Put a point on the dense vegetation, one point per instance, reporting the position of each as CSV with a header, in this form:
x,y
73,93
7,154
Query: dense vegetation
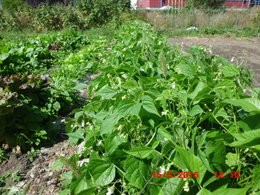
x,y
212,4
18,15
152,108
207,22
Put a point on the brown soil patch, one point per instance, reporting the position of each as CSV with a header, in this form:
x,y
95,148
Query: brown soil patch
x,y
241,51
37,178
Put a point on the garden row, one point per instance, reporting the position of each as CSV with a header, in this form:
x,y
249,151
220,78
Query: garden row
x,y
36,86
155,108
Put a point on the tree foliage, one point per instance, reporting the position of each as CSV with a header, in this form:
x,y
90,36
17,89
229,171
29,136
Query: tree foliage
x,y
214,4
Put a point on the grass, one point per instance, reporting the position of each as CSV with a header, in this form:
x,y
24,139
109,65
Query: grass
x,y
106,30
208,23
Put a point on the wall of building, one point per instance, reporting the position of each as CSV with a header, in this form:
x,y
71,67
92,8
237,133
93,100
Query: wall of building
x,y
182,3
237,4
175,3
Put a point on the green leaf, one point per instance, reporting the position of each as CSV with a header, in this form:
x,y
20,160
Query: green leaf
x,y
246,139
196,110
112,143
102,172
172,186
148,105
80,86
108,125
82,185
256,178
250,122
4,56
204,191
107,92
232,159
136,172
229,70
56,106
130,84
164,134
186,160
57,165
77,134
129,108
248,104
140,152
234,191
186,69
200,86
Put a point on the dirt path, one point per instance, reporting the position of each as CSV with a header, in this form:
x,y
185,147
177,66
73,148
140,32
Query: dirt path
x,y
244,51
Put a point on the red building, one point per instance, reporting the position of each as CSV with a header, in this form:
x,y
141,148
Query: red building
x,y
182,3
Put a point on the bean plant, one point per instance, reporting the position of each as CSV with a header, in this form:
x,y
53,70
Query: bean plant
x,y
156,108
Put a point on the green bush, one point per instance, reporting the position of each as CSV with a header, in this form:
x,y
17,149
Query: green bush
x,y
13,5
45,17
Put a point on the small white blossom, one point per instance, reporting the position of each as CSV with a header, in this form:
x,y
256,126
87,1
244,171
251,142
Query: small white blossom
x,y
110,190
173,85
186,187
82,123
165,112
81,147
99,143
124,76
120,128
162,169
123,97
83,161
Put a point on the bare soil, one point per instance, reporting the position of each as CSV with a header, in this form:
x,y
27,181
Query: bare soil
x,y
240,51
37,178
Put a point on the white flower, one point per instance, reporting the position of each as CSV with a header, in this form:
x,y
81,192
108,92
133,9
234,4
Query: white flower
x,y
165,112
120,128
110,190
99,143
124,76
173,85
186,187
82,123
83,161
81,147
162,169
123,97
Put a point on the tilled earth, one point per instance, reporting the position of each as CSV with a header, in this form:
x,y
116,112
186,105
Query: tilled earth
x,y
37,178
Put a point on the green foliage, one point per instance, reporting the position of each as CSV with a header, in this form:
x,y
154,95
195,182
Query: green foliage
x,y
84,15
213,4
20,110
13,5
154,106
29,100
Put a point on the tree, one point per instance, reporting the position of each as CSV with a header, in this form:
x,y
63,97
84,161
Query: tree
x,y
213,4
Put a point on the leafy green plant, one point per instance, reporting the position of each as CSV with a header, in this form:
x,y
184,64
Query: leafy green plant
x,y
154,107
